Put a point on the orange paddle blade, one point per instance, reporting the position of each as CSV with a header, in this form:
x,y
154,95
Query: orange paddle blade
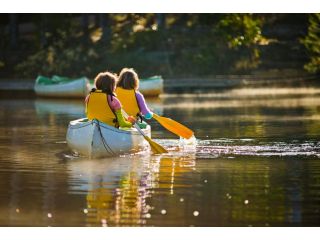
x,y
155,147
174,126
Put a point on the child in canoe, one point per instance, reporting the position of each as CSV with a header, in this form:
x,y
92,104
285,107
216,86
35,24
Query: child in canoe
x,y
102,103
132,100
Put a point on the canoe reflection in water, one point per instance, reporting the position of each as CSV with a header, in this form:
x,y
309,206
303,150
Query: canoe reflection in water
x,y
76,107
118,190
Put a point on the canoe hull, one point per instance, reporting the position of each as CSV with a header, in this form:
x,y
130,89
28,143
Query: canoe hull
x,y
75,89
151,87
96,139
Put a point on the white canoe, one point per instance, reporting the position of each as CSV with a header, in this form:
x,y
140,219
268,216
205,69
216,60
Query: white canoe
x,y
48,87
96,139
151,86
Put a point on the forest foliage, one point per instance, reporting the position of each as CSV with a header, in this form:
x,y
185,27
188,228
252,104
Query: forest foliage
x,y
165,44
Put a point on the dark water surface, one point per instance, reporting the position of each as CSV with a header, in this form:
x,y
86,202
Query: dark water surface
x,y
256,162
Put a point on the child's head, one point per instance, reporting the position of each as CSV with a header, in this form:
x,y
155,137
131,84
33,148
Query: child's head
x,y
106,81
128,79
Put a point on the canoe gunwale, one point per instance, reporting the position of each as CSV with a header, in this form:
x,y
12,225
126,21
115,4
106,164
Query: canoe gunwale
x,y
131,131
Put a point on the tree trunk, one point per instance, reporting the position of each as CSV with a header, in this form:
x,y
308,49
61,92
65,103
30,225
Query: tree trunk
x,y
104,23
14,31
43,31
161,21
85,28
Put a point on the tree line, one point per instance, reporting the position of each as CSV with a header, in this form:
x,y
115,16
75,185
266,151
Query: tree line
x,y
168,44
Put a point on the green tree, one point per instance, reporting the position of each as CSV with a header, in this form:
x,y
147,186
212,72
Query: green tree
x,y
170,44
312,43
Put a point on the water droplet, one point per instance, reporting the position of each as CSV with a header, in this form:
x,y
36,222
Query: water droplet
x,y
49,215
85,211
163,211
148,215
246,201
181,199
195,213
17,210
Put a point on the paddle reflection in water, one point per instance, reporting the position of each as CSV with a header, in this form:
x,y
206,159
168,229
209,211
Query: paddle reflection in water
x,y
118,190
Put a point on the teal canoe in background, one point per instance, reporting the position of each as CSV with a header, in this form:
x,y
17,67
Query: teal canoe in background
x,y
63,87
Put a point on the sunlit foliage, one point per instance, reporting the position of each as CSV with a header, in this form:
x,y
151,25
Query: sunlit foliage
x,y
167,44
312,43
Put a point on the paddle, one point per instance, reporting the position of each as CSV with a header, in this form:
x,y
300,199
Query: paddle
x,y
173,126
155,147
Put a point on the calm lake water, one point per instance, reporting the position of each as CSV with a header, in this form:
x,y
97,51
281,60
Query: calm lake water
x,y
256,162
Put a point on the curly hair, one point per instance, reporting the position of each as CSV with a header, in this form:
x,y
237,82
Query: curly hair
x,y
106,81
128,79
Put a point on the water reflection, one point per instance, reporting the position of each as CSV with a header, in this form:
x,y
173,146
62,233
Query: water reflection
x,y
252,113
118,190
256,162
76,108
73,107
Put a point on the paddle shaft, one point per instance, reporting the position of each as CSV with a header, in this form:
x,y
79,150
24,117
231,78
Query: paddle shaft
x,y
155,147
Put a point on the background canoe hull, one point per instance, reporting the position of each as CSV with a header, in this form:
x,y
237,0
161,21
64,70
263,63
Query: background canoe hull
x,y
75,89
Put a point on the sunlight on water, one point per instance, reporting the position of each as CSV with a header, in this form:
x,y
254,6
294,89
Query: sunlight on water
x,y
230,147
254,160
244,97
254,92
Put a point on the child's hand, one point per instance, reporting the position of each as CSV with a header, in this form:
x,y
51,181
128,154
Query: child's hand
x,y
148,115
132,119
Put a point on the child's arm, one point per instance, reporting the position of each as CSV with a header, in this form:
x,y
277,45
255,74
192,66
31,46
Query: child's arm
x,y
121,120
86,103
143,106
87,98
116,106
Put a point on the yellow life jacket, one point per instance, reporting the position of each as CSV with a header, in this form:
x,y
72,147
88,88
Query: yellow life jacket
x,y
128,101
98,107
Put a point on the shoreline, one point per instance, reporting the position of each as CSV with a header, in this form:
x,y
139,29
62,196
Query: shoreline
x,y
190,84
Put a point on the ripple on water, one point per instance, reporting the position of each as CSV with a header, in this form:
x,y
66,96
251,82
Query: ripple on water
x,y
229,147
